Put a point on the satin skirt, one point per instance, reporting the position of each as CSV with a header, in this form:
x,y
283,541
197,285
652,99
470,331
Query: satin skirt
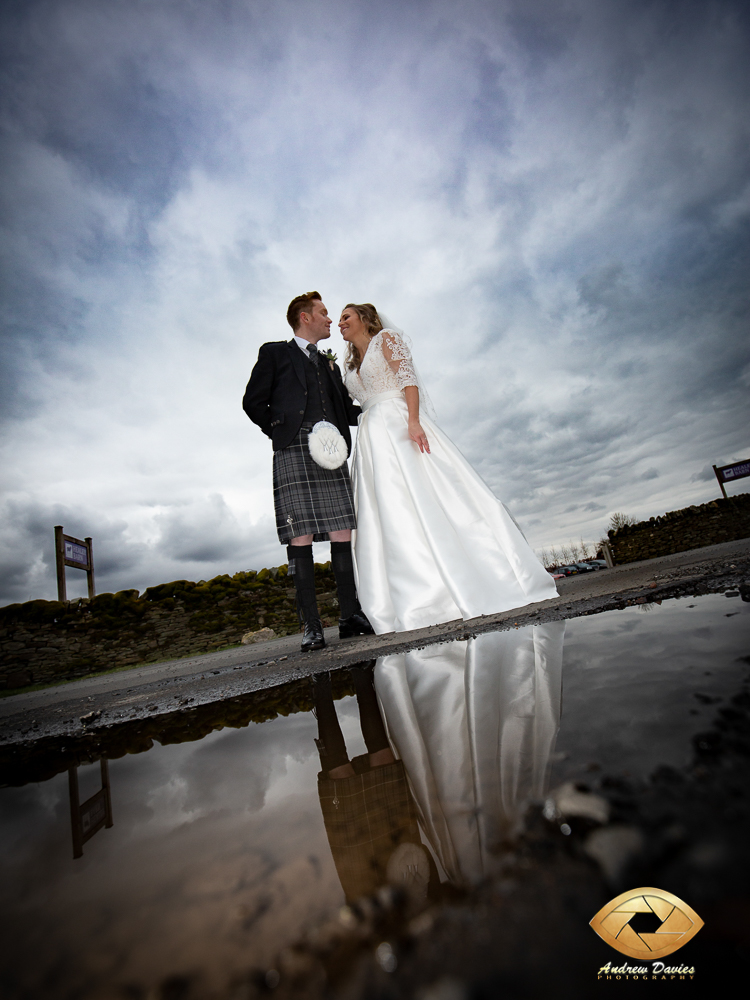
x,y
433,543
475,723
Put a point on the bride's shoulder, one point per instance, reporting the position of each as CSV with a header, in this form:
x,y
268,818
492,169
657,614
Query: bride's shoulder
x,y
394,341
390,336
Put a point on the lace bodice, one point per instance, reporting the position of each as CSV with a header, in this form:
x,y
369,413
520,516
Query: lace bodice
x,y
387,365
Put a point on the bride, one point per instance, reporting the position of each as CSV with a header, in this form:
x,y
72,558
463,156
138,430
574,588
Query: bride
x,y
432,543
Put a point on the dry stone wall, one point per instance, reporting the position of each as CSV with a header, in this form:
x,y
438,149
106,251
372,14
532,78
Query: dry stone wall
x,y
679,530
47,641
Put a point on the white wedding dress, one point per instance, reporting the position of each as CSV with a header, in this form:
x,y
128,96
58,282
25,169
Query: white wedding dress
x,y
432,543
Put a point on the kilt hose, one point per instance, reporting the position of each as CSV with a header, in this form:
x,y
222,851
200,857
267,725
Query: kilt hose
x,y
307,498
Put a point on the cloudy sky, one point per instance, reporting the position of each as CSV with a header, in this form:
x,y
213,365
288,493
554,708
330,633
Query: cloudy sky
x,y
552,198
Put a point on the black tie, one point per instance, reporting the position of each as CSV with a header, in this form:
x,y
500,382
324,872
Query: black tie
x,y
312,350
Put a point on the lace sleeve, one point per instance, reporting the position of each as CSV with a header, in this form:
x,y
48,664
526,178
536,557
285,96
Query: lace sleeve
x,y
398,356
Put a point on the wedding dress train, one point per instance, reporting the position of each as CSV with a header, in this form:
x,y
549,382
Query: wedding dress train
x,y
432,543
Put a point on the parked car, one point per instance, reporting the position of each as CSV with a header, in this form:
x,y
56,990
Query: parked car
x,y
584,567
567,570
597,563
555,574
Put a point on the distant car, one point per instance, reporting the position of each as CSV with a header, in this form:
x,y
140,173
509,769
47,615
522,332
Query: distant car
x,y
555,574
597,563
567,570
584,567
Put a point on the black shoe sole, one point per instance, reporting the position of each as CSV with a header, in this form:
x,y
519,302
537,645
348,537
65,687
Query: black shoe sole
x,y
307,647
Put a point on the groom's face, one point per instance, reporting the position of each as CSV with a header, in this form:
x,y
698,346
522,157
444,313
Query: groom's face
x,y
318,326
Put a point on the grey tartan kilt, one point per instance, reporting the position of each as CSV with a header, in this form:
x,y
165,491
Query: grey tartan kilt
x,y
308,499
366,817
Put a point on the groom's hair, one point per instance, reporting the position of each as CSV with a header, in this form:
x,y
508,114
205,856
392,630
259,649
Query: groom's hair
x,y
301,304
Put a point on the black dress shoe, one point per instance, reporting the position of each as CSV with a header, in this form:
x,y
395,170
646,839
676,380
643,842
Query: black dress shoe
x,y
356,624
313,637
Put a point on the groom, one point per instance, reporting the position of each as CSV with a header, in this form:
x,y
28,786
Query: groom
x,y
291,388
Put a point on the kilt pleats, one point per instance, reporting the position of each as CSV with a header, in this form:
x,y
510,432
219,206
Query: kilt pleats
x,y
307,498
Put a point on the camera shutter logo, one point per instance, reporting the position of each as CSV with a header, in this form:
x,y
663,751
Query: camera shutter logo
x,y
677,923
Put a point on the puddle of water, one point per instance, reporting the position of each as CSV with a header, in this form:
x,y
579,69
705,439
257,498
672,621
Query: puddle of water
x,y
640,682
225,849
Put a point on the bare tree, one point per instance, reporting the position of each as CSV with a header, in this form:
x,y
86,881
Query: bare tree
x,y
561,555
620,520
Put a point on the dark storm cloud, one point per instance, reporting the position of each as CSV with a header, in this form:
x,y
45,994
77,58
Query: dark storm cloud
x,y
706,474
107,87
91,132
201,533
28,549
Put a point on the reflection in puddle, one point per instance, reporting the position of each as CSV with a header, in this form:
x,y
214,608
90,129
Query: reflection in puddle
x,y
89,817
230,844
475,723
369,813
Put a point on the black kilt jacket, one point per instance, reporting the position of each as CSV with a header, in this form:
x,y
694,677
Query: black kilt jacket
x,y
276,395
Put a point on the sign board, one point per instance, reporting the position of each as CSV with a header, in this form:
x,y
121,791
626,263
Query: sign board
x,y
93,814
75,552
728,473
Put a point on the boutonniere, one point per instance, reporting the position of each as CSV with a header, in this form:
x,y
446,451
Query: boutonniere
x,y
330,357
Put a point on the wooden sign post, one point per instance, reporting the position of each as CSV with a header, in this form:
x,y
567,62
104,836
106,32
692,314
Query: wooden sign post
x,y
89,817
728,474
71,551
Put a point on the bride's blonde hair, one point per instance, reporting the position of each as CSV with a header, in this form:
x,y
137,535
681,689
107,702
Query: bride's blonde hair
x,y
369,316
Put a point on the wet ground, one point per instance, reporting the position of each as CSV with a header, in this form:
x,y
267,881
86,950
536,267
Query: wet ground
x,y
546,768
141,692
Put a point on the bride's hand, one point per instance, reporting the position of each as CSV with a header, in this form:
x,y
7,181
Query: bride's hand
x,y
418,436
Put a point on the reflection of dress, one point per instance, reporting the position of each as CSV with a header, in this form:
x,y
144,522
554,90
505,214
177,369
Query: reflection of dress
x,y
475,724
433,543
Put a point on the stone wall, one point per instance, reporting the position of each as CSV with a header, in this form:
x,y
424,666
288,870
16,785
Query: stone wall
x,y
47,641
679,530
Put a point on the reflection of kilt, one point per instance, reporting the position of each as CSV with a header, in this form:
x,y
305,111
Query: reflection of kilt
x,y
366,817
308,499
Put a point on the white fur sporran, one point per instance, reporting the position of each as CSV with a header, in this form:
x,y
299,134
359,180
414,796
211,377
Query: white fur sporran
x,y
327,445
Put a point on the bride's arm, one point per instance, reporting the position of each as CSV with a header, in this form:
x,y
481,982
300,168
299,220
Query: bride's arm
x,y
398,356
411,395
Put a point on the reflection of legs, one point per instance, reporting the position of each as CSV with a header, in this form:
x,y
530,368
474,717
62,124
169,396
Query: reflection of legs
x,y
370,718
334,759
331,746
